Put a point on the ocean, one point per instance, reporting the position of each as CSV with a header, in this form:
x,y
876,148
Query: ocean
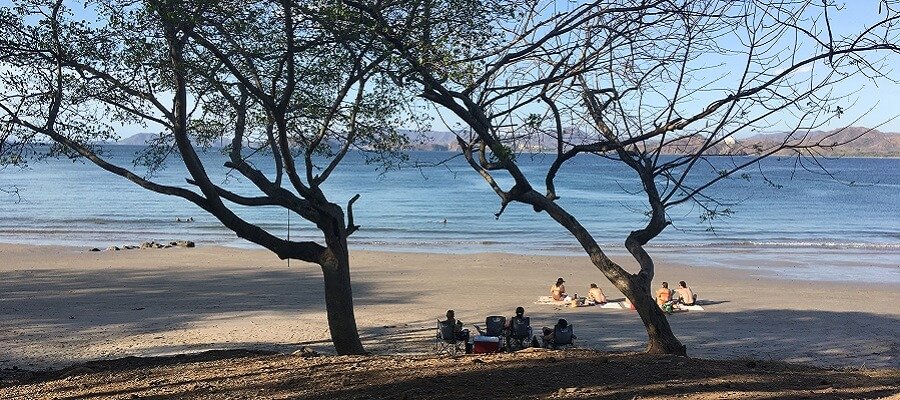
x,y
786,221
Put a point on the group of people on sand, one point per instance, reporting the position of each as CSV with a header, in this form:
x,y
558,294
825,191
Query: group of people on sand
x,y
547,337
558,293
666,299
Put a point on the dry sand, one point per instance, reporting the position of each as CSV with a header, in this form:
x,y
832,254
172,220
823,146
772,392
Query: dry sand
x,y
62,305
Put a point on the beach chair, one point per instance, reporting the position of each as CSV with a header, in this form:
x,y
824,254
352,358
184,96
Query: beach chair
x,y
519,336
563,337
445,339
494,325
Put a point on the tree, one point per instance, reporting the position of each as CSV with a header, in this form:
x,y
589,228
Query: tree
x,y
631,81
261,74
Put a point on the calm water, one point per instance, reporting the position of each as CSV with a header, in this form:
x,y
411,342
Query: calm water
x,y
811,222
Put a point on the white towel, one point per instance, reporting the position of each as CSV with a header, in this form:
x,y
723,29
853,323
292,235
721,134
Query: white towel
x,y
548,300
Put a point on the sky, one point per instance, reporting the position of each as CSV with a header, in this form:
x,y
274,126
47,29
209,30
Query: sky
x,y
875,103
867,104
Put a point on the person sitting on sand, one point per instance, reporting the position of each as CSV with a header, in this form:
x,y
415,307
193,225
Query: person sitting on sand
x,y
458,331
686,296
595,294
558,290
663,294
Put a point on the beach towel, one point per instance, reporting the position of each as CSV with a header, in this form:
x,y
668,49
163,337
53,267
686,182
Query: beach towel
x,y
694,307
549,300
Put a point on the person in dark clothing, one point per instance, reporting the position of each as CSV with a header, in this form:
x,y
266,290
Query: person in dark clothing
x,y
458,331
520,315
549,332
515,323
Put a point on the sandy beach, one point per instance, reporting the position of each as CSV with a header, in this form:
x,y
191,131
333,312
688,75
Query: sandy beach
x,y
63,305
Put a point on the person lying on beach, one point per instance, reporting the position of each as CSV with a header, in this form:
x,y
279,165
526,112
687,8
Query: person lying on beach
x,y
558,290
663,294
686,296
458,331
595,294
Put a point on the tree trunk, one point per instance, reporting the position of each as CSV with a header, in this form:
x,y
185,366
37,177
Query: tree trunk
x,y
339,299
660,338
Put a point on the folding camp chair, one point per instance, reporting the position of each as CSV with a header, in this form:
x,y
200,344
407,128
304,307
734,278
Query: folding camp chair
x,y
563,336
519,334
494,325
445,339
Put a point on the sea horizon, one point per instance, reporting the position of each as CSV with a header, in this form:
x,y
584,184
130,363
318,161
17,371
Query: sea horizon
x,y
821,225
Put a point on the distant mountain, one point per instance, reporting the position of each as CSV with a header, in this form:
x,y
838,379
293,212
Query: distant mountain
x,y
431,140
851,141
139,139
428,141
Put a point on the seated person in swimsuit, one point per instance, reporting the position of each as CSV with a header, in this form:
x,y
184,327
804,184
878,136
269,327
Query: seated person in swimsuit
x,y
458,331
558,290
686,296
663,294
596,295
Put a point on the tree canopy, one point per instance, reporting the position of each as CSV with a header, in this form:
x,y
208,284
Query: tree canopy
x,y
631,81
265,76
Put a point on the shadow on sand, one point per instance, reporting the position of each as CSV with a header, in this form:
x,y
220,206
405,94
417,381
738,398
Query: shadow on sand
x,y
53,305
63,310
572,374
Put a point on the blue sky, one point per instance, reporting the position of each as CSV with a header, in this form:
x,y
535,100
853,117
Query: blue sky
x,y
867,103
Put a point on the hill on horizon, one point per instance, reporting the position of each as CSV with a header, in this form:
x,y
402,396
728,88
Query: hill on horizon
x,y
849,141
860,141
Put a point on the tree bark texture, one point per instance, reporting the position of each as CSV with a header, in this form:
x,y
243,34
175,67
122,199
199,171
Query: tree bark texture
x,y
335,263
660,338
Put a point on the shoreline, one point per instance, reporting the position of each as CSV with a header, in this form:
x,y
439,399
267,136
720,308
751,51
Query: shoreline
x,y
880,266
63,305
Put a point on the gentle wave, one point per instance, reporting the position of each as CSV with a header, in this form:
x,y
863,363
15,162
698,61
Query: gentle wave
x,y
449,242
792,244
537,246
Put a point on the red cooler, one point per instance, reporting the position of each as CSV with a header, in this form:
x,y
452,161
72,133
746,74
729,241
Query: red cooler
x,y
486,344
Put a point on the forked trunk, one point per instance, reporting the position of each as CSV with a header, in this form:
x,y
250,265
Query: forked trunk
x,y
339,301
660,338
636,288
